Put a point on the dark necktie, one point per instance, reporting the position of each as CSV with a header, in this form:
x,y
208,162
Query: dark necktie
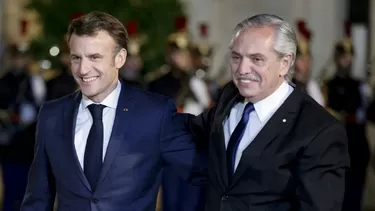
x,y
94,146
235,139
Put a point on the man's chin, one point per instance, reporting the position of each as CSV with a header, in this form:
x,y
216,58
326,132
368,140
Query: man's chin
x,y
247,93
88,92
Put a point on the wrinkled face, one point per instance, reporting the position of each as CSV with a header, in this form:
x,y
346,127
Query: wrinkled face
x,y
95,63
257,70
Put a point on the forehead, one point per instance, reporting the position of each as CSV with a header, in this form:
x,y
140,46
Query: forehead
x,y
254,40
101,42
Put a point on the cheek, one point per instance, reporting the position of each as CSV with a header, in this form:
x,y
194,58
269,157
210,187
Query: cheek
x,y
267,76
233,66
107,69
74,67
102,67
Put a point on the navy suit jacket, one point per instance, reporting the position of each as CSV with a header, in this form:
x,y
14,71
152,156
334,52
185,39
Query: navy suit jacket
x,y
147,135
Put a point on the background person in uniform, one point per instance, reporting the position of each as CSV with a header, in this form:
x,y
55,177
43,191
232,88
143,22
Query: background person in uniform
x,y
132,69
176,81
346,100
172,79
20,95
302,76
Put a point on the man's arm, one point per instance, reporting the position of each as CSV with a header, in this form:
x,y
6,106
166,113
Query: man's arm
x,y
199,126
178,149
40,191
321,171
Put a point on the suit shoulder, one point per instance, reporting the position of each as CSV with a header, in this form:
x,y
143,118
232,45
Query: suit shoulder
x,y
57,103
316,114
149,98
157,74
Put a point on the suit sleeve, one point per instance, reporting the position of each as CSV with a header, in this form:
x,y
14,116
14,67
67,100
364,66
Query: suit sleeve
x,y
199,126
40,191
321,171
178,149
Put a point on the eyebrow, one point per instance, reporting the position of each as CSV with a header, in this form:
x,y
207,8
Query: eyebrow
x,y
74,55
90,55
95,54
247,55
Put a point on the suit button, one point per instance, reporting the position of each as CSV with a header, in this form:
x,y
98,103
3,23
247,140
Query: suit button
x,y
94,201
224,198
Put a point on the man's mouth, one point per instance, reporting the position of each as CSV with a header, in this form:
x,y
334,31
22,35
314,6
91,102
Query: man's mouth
x,y
89,79
246,81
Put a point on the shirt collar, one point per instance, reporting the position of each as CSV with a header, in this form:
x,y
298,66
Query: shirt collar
x,y
110,101
269,104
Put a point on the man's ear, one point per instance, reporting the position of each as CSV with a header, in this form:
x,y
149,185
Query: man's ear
x,y
120,58
286,63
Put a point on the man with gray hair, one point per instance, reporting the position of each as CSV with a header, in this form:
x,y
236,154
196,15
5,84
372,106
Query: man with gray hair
x,y
271,147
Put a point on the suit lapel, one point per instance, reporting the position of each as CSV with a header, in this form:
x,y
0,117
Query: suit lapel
x,y
219,148
70,117
279,123
123,117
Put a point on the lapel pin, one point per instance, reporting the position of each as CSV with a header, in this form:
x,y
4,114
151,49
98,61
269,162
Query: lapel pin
x,y
125,109
284,120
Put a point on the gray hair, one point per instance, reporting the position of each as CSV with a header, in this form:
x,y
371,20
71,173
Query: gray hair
x,y
285,38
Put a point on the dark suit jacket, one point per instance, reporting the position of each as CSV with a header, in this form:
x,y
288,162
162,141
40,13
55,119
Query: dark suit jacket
x,y
297,164
147,134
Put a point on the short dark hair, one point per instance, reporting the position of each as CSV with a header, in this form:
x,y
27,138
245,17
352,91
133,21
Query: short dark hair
x,y
91,23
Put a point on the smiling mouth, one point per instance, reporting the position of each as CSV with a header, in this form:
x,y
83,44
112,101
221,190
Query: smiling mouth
x,y
246,81
90,79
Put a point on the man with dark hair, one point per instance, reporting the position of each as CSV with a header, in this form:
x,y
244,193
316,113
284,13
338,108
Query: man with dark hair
x,y
103,147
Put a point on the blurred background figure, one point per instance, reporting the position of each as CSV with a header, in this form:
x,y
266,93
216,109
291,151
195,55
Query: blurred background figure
x,y
62,82
131,72
346,99
22,92
302,77
177,80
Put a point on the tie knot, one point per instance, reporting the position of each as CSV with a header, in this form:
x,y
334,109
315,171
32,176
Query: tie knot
x,y
248,109
96,111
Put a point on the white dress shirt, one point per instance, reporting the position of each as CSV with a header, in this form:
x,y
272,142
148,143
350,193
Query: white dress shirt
x,y
84,122
264,110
